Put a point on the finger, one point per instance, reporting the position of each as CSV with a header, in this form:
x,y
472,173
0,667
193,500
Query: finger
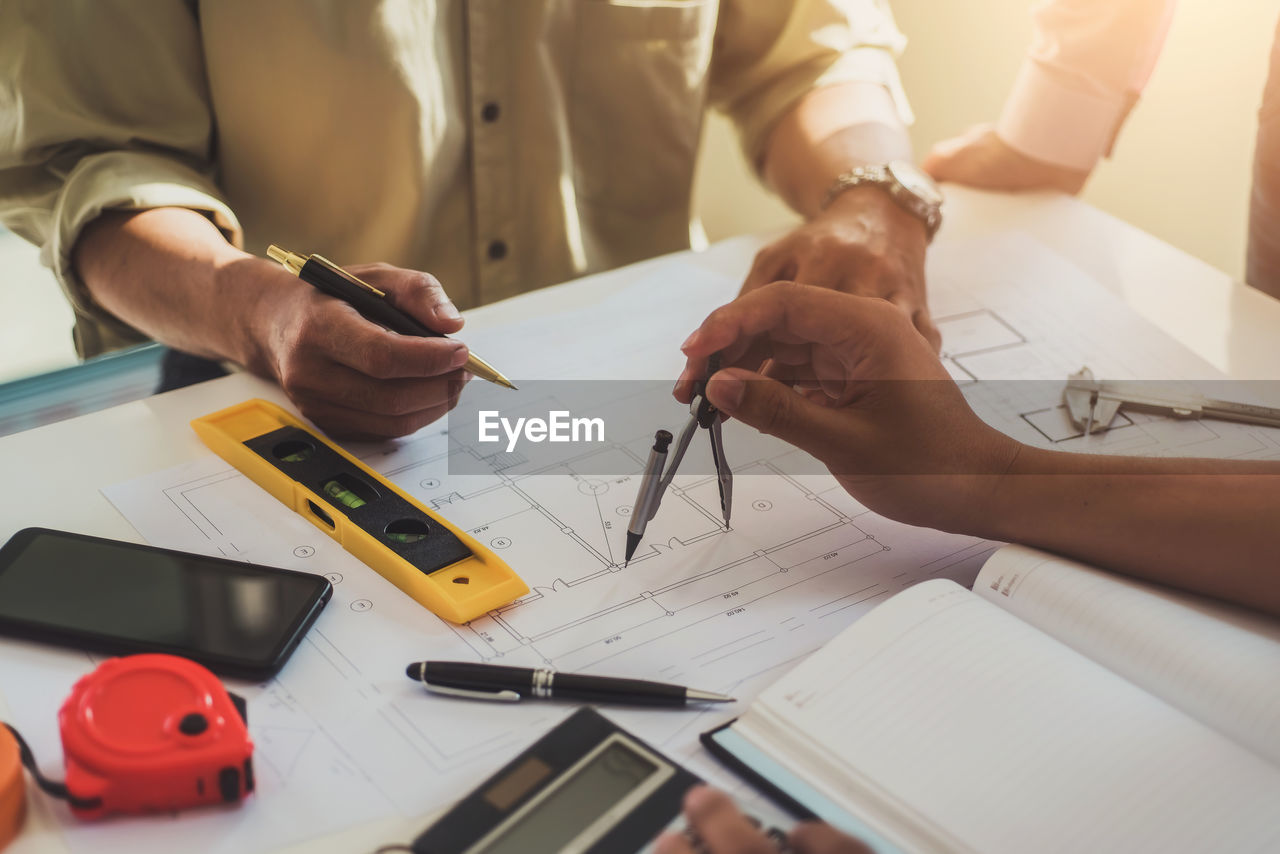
x,y
791,375
416,293
745,351
775,409
346,423
748,353
694,372
816,395
813,837
717,821
823,373
923,321
808,273
672,843
350,389
384,355
833,273
334,331
770,264
683,390
350,404
940,161
831,375
949,159
783,311
802,379
796,376
864,286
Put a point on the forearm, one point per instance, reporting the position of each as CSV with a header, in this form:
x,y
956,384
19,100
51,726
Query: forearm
x,y
828,132
170,273
1208,526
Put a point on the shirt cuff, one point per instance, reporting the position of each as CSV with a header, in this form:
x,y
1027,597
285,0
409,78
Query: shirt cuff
x,y
123,180
1049,119
859,65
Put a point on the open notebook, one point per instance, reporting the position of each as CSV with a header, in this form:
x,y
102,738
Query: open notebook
x,y
1053,708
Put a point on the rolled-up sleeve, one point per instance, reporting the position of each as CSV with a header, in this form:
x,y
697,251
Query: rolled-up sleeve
x,y
768,55
1088,62
103,105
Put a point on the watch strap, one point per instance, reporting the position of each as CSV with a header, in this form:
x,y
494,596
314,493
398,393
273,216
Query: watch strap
x,y
879,175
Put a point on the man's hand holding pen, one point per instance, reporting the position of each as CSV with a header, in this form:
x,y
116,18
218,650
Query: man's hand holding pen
x,y
349,375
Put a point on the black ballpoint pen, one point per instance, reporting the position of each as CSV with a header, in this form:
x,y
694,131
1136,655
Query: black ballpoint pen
x,y
328,278
499,682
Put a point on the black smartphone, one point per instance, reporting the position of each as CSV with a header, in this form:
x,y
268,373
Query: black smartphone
x,y
100,595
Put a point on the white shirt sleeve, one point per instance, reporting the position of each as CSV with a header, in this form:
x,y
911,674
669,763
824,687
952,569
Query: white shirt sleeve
x,y
768,55
1088,62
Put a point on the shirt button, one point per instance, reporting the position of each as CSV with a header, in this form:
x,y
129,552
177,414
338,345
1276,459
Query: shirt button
x,y
497,250
490,112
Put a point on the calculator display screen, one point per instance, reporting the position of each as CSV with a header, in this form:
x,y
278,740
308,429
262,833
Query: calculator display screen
x,y
575,802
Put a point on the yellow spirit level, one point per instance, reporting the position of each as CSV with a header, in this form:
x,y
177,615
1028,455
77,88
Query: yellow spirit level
x,y
439,565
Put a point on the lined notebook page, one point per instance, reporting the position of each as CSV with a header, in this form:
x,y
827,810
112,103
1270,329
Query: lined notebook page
x,y
941,703
1217,663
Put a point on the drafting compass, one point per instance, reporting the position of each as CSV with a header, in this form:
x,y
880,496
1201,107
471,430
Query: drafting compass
x,y
1092,404
656,478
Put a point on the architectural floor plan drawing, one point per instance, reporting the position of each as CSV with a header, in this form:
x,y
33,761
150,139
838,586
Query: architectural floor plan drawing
x,y
980,345
722,610
1011,348
789,530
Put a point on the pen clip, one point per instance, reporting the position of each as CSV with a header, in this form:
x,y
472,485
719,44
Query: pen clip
x,y
362,285
503,696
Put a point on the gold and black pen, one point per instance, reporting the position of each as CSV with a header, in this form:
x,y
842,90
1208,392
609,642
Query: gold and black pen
x,y
328,278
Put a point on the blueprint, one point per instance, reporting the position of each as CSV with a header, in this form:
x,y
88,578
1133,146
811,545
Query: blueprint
x,y
1016,319
715,609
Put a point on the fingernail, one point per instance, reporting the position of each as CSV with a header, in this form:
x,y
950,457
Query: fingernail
x,y
689,342
726,392
449,311
460,357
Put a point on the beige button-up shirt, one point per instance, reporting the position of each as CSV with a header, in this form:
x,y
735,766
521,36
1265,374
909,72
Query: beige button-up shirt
x,y
502,145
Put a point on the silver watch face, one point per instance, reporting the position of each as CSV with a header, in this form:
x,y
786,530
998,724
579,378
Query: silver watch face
x,y
916,182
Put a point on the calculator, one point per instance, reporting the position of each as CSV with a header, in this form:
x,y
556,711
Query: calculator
x,y
586,787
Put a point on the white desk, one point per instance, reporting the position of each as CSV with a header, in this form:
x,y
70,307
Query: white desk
x,y
60,468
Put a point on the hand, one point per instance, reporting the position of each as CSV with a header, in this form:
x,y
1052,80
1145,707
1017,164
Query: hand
x,y
980,158
874,403
863,243
349,375
723,830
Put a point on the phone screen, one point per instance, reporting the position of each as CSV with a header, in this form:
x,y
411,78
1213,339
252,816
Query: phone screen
x,y
109,596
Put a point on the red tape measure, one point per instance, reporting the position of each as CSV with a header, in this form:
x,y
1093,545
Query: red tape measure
x,y
12,788
154,732
146,733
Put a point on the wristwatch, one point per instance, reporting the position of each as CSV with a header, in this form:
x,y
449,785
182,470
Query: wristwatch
x,y
906,184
